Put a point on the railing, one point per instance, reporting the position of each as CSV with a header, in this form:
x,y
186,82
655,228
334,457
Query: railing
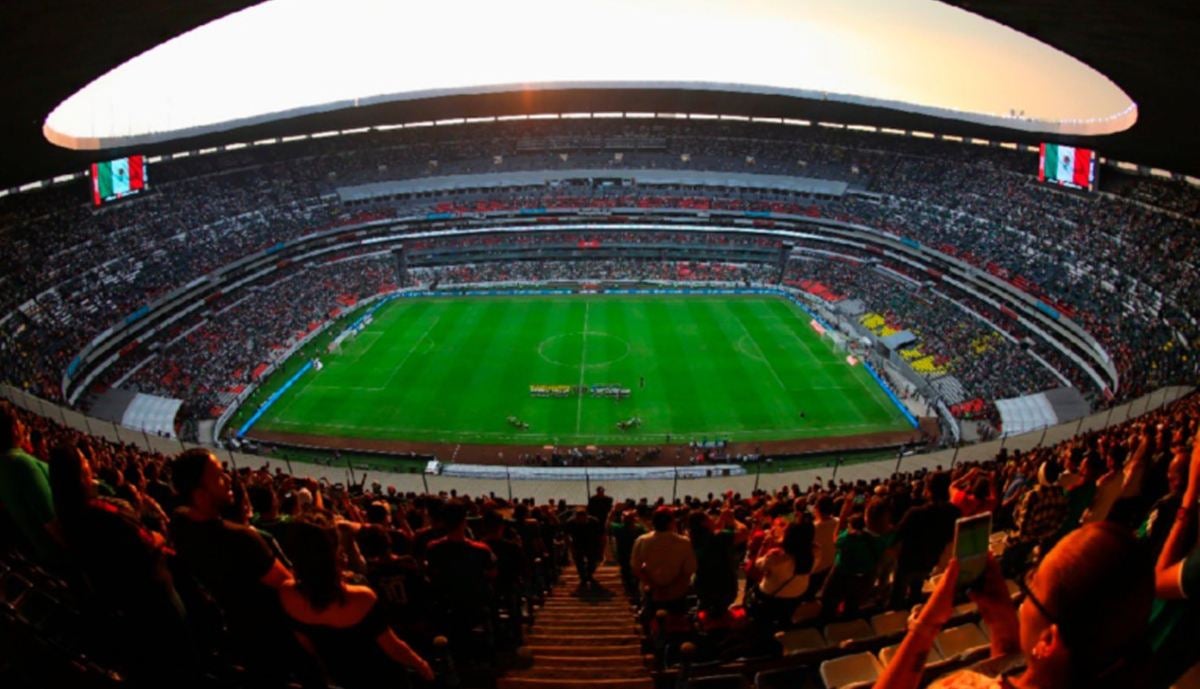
x,y
576,489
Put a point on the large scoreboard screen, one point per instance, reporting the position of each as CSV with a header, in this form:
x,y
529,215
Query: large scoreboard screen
x,y
117,179
1067,166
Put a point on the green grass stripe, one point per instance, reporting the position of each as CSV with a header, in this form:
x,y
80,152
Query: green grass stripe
x,y
452,370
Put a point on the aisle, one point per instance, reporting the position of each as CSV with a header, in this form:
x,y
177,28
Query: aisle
x,y
584,639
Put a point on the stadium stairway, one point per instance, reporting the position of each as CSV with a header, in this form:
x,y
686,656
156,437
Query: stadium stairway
x,y
584,639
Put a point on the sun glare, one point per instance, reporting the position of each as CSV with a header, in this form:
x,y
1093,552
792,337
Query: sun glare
x,y
290,57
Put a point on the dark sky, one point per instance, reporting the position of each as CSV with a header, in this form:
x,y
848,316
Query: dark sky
x,y
1151,49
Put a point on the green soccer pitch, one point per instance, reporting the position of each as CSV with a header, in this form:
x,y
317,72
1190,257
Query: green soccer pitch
x,y
742,368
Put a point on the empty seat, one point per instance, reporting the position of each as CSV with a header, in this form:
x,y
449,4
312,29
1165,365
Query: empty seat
x,y
888,652
889,622
796,641
851,630
956,640
965,609
783,678
847,670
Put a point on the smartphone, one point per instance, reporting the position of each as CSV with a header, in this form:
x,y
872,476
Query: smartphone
x,y
971,536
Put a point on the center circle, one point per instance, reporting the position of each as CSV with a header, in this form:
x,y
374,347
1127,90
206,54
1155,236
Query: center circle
x,y
592,349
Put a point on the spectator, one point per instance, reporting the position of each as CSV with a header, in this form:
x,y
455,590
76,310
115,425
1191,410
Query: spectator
x,y
785,576
825,533
1081,626
233,564
126,567
852,578
460,572
343,623
1108,487
974,492
600,505
586,534
25,486
716,567
923,535
512,570
625,533
1177,582
664,563
1039,517
1160,518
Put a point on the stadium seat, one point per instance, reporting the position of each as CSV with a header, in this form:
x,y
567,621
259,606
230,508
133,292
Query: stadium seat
x,y
888,652
852,630
939,668
956,640
796,641
843,672
784,678
889,622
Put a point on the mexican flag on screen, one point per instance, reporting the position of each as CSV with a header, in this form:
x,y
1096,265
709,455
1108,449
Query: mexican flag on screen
x,y
1066,165
116,178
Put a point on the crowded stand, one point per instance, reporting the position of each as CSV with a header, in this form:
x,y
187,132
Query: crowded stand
x,y
122,567
1119,266
210,358
949,340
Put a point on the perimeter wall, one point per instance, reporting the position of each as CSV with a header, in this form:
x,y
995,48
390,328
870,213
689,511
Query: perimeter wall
x,y
578,490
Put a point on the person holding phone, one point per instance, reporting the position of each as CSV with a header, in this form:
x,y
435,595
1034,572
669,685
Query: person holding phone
x,y
1082,623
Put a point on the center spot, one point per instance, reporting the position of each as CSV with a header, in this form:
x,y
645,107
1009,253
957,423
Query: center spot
x,y
567,349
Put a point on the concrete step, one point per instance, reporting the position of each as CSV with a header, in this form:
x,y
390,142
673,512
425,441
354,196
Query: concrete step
x,y
591,651
560,683
577,639
589,662
585,626
599,671
576,606
617,614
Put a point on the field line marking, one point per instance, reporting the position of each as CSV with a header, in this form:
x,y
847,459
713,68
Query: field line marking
x,y
582,364
411,351
870,391
762,356
365,348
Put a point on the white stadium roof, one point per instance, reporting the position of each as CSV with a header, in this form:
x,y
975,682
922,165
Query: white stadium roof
x,y
285,58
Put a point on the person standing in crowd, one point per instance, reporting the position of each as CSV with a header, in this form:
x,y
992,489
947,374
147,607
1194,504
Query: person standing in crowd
x,y
785,577
664,563
923,535
716,567
853,575
586,535
625,532
825,533
1039,517
460,572
600,505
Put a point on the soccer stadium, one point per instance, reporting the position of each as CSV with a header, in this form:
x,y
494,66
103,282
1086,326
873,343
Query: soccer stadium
x,y
746,345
